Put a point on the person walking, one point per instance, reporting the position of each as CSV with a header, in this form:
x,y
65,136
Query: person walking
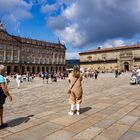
x,y
96,74
138,75
75,85
43,76
47,77
18,79
116,73
3,94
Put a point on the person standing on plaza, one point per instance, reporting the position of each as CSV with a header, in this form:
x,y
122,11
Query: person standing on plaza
x,y
43,76
96,74
46,76
28,76
3,94
75,85
116,73
138,75
18,79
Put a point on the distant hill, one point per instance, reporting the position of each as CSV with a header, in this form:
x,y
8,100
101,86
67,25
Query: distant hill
x,y
72,62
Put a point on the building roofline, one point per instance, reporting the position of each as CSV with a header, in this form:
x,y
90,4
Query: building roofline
x,y
135,46
33,41
36,41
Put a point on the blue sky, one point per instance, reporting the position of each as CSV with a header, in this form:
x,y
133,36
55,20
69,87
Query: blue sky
x,y
80,24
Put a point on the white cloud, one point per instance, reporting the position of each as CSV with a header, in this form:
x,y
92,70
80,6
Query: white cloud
x,y
70,35
12,11
72,55
113,43
70,11
49,8
98,21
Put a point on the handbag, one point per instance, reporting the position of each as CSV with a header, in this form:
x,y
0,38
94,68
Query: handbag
x,y
69,91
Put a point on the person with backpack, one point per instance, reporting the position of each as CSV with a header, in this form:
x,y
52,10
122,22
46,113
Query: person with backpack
x,y
47,77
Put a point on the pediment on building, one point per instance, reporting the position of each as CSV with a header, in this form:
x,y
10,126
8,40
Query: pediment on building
x,y
5,36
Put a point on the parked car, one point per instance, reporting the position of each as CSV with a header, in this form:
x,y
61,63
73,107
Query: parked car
x,y
133,79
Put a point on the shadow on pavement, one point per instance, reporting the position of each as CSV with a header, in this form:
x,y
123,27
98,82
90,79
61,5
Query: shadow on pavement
x,y
18,121
85,109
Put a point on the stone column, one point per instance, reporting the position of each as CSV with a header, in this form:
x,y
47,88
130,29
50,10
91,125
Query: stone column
x,y
4,55
12,54
49,69
12,69
18,55
35,69
25,68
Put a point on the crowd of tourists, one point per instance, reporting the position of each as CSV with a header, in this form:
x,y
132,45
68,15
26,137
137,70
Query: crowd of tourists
x,y
75,90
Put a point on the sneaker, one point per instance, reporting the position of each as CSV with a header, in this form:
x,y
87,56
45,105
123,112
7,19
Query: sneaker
x,y
4,125
71,113
77,113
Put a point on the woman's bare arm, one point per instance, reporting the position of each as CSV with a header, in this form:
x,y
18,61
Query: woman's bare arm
x,y
5,90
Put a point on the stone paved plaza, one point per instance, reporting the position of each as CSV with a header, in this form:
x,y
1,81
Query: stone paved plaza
x,y
110,111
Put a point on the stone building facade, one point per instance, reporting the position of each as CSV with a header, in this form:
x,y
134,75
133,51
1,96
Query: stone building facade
x,y
23,54
124,58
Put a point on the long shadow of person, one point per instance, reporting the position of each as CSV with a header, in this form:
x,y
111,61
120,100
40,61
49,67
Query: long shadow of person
x,y
85,109
18,121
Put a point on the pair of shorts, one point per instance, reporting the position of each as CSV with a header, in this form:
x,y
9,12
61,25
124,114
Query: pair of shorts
x,y
2,101
2,98
1,106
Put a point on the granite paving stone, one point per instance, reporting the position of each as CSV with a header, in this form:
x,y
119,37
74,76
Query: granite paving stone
x,y
131,135
128,120
110,110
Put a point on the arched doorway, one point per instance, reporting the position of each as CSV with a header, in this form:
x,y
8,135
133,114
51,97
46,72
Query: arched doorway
x,y
38,69
16,69
23,70
8,69
126,66
47,69
33,70
43,69
51,69
28,68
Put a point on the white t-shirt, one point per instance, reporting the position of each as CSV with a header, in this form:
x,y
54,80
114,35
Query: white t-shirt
x,y
138,72
18,78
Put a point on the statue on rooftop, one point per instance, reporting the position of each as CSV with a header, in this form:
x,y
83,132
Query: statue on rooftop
x,y
1,25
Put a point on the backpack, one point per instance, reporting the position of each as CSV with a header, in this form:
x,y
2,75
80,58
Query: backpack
x,y
46,75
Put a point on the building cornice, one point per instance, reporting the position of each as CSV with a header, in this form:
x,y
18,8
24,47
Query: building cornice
x,y
136,46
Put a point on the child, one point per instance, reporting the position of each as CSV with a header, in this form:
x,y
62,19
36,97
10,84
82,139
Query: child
x,y
75,97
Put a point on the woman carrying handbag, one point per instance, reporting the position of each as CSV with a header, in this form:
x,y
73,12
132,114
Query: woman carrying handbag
x,y
75,90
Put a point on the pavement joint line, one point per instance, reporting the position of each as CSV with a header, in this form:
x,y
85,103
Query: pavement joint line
x,y
132,103
13,133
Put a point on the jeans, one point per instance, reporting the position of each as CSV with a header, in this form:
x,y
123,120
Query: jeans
x,y
138,79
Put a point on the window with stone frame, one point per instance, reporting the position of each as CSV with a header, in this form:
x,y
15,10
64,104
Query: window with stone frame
x,y
104,56
1,56
15,56
8,48
8,57
27,50
15,48
89,58
2,46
